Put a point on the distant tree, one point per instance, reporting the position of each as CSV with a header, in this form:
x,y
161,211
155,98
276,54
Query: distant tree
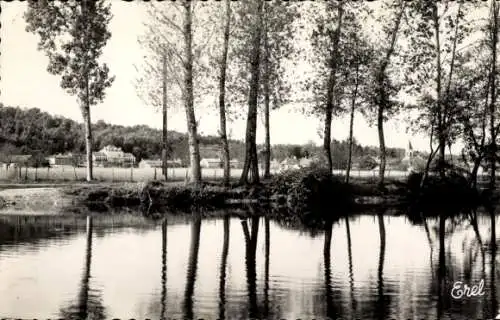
x,y
367,163
384,89
177,37
436,31
73,34
277,46
355,69
326,39
251,161
222,94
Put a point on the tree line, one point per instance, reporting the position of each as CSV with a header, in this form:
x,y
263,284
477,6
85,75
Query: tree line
x,y
37,133
432,61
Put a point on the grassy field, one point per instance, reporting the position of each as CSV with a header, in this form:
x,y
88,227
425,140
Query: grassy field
x,y
140,174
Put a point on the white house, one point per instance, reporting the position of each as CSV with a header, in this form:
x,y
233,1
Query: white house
x,y
210,163
113,156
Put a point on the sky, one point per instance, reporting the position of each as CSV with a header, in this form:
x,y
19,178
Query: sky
x,y
26,83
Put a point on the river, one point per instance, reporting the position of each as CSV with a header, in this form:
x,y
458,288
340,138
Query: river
x,y
368,266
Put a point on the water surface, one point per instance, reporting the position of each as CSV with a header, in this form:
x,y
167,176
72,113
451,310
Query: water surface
x,y
366,267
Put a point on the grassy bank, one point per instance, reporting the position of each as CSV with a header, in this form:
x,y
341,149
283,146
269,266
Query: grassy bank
x,y
310,194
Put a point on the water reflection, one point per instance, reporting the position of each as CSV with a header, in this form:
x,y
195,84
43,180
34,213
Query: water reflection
x,y
164,269
222,271
250,255
192,267
350,267
370,266
493,245
381,301
266,266
331,313
88,305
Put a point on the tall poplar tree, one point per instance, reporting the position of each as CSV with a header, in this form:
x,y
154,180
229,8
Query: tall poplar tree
x,y
73,34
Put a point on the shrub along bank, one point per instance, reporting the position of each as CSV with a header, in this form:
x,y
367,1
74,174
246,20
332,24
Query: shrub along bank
x,y
307,194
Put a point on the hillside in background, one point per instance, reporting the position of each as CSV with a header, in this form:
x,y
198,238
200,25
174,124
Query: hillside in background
x,y
31,131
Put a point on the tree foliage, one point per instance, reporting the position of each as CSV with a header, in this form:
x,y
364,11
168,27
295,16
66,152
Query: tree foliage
x,y
73,35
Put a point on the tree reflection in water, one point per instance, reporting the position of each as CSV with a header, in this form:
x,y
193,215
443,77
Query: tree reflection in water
x,y
493,249
88,305
222,272
441,267
250,252
351,273
330,310
266,267
192,267
382,304
164,269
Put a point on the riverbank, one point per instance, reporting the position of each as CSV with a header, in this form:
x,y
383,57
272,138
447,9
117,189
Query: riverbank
x,y
64,198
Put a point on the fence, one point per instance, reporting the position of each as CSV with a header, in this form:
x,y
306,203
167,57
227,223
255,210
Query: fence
x,y
107,174
68,173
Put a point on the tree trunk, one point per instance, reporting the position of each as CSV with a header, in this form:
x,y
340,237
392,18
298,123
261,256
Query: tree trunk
x,y
194,150
327,135
349,157
88,141
267,154
440,106
164,153
222,97
381,138
251,164
351,127
383,101
332,80
494,40
473,175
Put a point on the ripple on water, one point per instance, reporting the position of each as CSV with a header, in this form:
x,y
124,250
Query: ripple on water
x,y
119,272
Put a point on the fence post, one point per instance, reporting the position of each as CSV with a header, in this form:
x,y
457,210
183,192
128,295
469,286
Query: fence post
x,y
36,173
112,174
155,175
26,173
131,173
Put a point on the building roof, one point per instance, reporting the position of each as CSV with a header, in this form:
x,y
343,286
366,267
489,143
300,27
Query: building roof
x,y
99,154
